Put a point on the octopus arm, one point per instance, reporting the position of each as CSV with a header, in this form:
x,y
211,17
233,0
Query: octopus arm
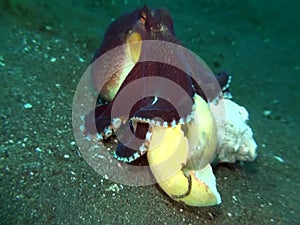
x,y
132,144
209,88
98,118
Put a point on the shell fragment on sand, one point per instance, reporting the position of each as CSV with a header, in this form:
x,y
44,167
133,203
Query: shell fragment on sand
x,y
237,143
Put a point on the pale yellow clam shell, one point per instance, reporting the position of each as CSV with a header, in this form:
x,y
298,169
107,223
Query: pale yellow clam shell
x,y
201,133
170,153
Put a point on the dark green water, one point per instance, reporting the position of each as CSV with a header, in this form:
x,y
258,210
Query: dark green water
x,y
45,46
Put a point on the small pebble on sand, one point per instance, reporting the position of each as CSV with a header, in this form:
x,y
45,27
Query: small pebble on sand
x,y
27,106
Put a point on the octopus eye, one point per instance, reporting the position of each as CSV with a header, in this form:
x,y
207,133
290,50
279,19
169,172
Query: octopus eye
x,y
156,27
143,17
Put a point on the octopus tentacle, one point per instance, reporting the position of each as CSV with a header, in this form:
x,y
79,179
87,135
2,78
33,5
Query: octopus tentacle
x,y
162,110
100,117
99,124
163,113
130,147
223,79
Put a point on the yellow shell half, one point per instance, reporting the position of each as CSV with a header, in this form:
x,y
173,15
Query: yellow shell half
x,y
122,63
179,158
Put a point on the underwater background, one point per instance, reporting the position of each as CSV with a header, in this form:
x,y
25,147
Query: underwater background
x,y
45,47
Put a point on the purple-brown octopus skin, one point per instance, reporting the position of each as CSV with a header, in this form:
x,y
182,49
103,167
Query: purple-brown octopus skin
x,y
151,25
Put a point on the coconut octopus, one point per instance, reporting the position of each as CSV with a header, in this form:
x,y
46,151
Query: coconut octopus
x,y
145,24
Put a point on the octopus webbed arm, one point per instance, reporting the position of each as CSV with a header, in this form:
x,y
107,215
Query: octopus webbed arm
x,y
198,89
224,80
99,122
209,89
132,146
100,116
160,111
